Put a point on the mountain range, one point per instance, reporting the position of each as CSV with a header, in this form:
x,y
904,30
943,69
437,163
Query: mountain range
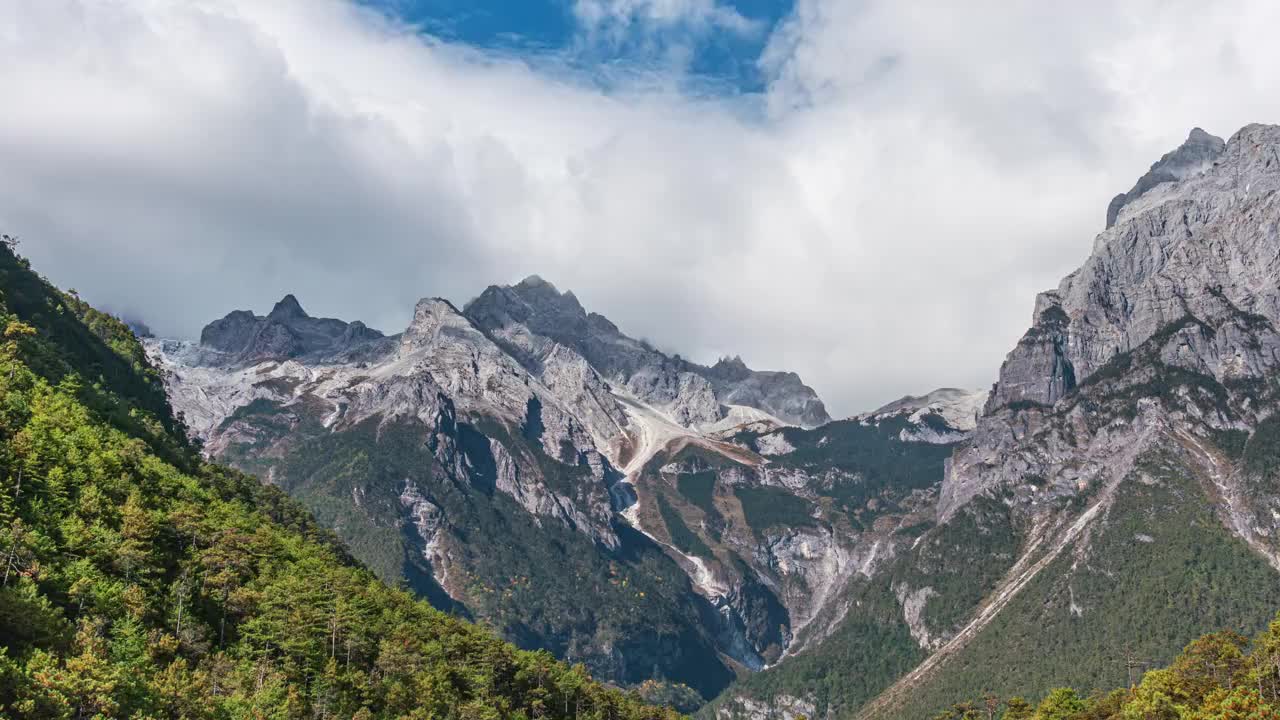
x,y
711,532
508,453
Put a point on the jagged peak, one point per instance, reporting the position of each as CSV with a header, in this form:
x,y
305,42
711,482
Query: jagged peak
x,y
432,313
536,281
1195,155
1198,135
536,285
287,308
540,295
559,316
734,362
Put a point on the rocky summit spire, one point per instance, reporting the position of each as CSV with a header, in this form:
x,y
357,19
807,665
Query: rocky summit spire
x,y
288,308
1193,156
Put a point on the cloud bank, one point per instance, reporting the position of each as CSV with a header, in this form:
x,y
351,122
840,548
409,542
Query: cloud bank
x,y
878,219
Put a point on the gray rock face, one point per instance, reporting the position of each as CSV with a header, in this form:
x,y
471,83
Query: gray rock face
x,y
1190,274
781,394
1194,156
475,433
427,520
439,367
1181,248
692,394
1038,370
1145,368
286,332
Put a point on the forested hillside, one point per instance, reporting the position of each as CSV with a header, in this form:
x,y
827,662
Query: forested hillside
x,y
1221,676
139,581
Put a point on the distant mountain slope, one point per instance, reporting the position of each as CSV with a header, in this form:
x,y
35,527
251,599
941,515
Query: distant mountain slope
x,y
1223,674
139,581
946,415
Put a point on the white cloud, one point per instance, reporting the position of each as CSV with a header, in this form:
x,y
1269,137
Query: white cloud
x,y
659,38
914,175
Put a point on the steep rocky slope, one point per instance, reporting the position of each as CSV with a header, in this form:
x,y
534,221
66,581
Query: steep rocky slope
x,y
1120,487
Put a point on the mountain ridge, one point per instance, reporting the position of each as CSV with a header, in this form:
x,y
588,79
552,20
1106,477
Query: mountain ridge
x,y
537,307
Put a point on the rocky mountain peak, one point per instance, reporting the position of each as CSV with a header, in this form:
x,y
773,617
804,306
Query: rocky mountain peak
x,y
941,416
966,403
545,296
732,368
1186,284
514,316
1207,229
1195,155
431,317
430,310
533,302
287,309
286,332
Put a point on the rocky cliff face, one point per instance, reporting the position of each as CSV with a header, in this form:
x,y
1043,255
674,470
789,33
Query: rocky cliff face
x,y
1204,248
1194,156
1177,249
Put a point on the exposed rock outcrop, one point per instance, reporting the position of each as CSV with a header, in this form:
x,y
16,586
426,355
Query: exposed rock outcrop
x,y
1195,155
1192,268
1180,248
525,316
286,332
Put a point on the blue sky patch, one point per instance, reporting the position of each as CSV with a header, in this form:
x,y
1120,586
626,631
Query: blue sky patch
x,y
713,57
